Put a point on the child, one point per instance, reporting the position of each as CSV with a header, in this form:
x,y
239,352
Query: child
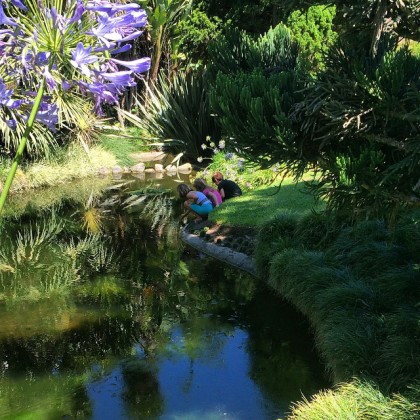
x,y
227,188
196,202
209,192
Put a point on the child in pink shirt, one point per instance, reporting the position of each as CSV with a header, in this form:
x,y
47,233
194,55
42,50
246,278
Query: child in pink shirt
x,y
212,194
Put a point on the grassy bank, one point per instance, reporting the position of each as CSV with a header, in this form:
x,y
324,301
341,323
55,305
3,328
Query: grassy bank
x,y
264,202
358,284
114,148
68,165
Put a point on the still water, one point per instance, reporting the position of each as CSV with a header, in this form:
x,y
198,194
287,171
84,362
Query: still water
x,y
105,314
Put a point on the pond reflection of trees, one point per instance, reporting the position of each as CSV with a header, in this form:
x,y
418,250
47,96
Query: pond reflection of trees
x,y
75,306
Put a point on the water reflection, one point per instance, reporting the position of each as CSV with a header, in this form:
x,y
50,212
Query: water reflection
x,y
122,322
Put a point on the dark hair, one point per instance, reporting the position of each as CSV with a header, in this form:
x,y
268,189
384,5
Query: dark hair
x,y
199,184
183,190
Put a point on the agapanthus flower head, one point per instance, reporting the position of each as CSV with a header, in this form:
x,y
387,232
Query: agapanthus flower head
x,y
95,73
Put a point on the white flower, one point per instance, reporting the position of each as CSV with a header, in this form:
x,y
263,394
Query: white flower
x,y
199,159
222,144
203,146
212,144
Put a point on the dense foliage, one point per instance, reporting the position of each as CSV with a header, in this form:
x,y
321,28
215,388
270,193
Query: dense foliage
x,y
358,285
313,31
360,123
253,92
195,33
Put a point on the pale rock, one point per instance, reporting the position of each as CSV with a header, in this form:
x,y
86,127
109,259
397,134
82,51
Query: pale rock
x,y
139,167
159,168
185,168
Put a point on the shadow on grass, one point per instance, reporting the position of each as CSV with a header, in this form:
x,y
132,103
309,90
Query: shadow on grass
x,y
256,207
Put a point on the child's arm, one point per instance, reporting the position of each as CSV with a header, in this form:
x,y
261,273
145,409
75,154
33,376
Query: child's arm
x,y
213,198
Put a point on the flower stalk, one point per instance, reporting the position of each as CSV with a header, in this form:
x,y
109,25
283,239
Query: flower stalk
x,y
22,145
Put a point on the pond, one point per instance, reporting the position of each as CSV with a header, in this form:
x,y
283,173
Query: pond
x,y
106,314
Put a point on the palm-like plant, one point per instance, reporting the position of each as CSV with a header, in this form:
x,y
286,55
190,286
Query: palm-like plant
x,y
163,17
360,120
176,115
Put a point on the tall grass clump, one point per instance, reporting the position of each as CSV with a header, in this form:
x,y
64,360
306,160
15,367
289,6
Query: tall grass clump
x,y
273,237
359,288
358,400
291,276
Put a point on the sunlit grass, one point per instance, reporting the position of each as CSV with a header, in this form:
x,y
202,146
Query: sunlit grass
x,y
260,205
75,163
124,143
356,400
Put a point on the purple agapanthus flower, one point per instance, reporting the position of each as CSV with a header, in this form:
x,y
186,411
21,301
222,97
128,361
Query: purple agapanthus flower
x,y
11,124
51,83
124,48
120,78
66,85
139,66
59,21
19,4
48,115
5,20
120,28
82,57
112,24
41,59
6,97
110,8
79,10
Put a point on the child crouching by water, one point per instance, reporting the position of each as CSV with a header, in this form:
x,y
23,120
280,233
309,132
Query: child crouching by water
x,y
212,194
196,202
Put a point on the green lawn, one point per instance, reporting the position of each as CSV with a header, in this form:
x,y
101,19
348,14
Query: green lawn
x,y
257,206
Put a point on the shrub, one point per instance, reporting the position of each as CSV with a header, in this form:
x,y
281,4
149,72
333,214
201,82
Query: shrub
x,y
176,114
